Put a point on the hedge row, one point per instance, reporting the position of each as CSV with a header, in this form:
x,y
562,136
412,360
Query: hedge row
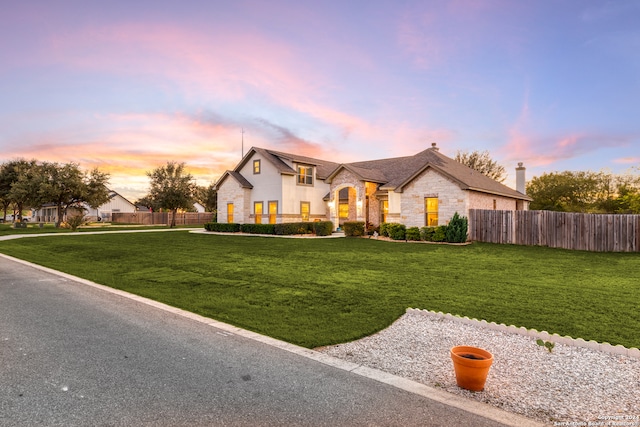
x,y
319,228
454,232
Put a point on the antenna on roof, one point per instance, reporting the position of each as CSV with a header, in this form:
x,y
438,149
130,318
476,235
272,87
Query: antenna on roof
x,y
242,132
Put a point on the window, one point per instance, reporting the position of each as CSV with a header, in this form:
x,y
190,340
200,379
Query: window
x,y
431,211
305,208
273,212
230,213
257,212
384,210
305,175
256,167
343,210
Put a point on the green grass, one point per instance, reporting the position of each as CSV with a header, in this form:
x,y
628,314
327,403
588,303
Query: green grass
x,y
315,292
33,228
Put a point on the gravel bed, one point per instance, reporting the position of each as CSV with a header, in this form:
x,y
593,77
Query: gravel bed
x,y
569,386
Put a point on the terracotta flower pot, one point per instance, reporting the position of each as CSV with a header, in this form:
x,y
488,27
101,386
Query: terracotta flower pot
x,y
471,365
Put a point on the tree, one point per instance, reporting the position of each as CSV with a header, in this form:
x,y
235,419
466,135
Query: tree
x,y
483,163
24,190
18,186
207,197
171,188
67,186
7,178
628,193
148,203
585,191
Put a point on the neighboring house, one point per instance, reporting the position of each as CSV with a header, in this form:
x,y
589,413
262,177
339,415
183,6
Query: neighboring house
x,y
117,203
199,207
424,189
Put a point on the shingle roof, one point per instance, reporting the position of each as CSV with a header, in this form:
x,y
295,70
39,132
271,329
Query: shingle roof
x,y
323,167
391,174
396,173
237,176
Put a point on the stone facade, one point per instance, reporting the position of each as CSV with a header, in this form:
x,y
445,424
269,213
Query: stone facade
x,y
346,179
230,191
451,199
490,201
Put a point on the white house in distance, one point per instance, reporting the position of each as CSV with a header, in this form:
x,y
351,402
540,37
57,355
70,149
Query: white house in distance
x,y
425,189
116,203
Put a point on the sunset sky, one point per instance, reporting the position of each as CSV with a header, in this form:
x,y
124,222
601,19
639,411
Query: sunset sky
x,y
129,85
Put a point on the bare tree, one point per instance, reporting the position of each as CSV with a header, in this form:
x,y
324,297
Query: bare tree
x,y
483,163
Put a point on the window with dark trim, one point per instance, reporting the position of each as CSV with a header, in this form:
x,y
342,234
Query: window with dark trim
x,y
305,210
431,211
273,211
230,213
305,175
384,210
257,212
256,167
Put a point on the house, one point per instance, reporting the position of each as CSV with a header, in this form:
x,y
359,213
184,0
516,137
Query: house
x,y
425,189
117,203
199,207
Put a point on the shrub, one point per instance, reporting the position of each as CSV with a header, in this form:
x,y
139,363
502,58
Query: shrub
x,y
257,228
413,233
290,228
222,227
75,221
323,228
457,229
397,231
384,229
440,234
434,234
426,233
353,228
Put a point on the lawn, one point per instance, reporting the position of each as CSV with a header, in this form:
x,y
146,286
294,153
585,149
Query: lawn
x,y
315,292
34,228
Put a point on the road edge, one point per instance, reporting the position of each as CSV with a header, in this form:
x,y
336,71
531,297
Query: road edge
x,y
441,396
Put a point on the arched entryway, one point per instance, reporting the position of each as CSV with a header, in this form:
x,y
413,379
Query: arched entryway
x,y
346,204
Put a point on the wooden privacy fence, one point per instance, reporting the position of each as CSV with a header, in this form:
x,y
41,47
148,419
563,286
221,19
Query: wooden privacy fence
x,y
588,232
158,218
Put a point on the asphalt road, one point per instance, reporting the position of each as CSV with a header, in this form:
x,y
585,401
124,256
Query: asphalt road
x,y
75,355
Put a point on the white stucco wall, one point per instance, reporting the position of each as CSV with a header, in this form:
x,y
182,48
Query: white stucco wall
x,y
295,194
267,185
270,185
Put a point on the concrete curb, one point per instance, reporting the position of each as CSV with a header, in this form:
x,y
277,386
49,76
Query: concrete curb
x,y
477,408
543,335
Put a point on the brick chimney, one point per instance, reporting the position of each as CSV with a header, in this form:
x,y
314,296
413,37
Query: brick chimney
x,y
520,179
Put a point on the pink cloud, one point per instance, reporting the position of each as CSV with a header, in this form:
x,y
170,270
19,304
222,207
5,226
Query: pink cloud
x,y
424,32
627,160
225,62
527,144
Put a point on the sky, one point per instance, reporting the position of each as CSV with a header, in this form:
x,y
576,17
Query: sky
x,y
127,86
